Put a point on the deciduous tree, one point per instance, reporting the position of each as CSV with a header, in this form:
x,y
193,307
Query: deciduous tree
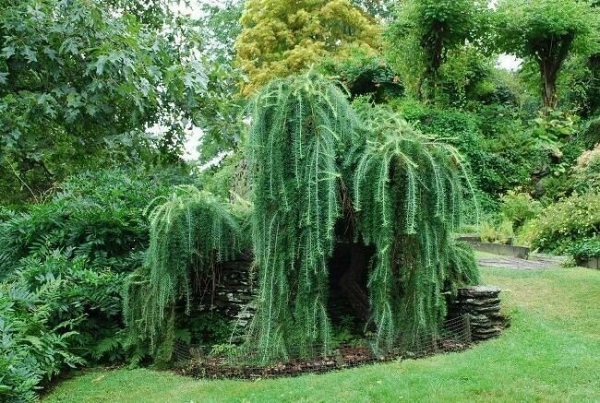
x,y
546,32
283,37
82,80
425,31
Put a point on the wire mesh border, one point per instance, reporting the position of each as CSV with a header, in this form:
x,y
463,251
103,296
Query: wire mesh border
x,y
232,362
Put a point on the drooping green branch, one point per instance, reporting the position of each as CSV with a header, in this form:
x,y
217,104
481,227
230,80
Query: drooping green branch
x,y
407,190
191,232
300,126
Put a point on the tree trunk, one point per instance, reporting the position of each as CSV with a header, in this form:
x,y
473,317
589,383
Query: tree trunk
x,y
548,72
353,281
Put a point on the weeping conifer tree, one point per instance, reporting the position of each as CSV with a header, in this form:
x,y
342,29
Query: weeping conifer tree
x,y
310,160
313,163
407,193
191,232
300,126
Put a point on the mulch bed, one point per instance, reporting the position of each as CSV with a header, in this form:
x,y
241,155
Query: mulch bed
x,y
343,357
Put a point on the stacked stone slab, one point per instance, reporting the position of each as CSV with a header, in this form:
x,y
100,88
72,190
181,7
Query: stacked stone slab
x,y
233,292
481,305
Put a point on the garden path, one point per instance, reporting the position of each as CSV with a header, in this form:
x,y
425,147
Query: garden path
x,y
534,262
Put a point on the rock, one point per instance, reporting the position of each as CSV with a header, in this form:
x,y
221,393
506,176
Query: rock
x,y
482,306
488,330
488,309
480,301
479,292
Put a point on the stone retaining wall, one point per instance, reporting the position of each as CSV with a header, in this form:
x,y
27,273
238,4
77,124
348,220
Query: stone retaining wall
x,y
234,292
481,305
592,263
236,288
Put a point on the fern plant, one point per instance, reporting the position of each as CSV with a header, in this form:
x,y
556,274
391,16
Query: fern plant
x,y
300,126
407,191
191,232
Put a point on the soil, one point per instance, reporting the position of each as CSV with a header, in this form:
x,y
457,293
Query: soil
x,y
343,357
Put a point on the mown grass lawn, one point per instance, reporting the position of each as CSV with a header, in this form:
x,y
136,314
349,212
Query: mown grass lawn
x,y
551,353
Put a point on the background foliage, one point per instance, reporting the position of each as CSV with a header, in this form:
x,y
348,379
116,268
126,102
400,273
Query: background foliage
x,y
81,82
96,98
532,30
285,37
98,215
566,223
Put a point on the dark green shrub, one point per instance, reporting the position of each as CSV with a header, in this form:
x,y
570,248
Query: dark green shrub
x,y
500,152
89,298
63,264
576,171
585,249
99,215
55,313
204,328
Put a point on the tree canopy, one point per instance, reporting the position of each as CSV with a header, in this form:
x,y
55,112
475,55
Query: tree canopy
x,y
546,32
81,81
423,33
283,37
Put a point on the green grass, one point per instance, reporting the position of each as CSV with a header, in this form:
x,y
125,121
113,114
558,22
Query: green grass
x,y
485,255
551,353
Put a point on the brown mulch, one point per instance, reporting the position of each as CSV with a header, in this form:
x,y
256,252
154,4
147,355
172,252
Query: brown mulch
x,y
343,357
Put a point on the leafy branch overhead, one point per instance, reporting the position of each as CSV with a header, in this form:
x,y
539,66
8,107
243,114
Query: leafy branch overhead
x,y
84,79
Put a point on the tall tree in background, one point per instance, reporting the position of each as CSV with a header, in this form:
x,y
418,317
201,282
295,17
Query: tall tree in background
x,y
280,37
220,116
220,27
379,9
423,34
80,83
546,32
